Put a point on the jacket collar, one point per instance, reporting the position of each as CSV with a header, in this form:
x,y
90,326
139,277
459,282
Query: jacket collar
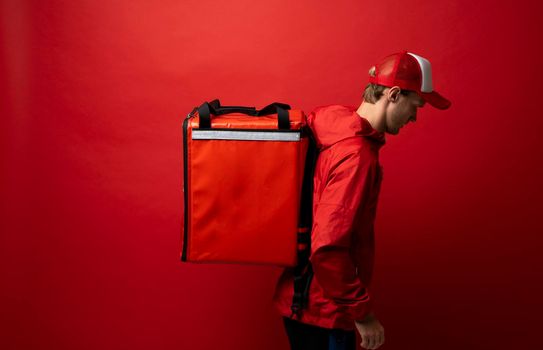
x,y
333,123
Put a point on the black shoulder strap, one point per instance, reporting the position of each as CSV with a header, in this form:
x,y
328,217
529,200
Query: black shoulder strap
x,y
303,271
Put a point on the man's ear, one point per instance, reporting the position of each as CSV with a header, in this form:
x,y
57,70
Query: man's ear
x,y
394,93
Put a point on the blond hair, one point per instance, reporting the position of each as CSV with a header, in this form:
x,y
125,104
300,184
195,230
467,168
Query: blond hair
x,y
373,92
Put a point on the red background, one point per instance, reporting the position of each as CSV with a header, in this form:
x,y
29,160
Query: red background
x,y
92,98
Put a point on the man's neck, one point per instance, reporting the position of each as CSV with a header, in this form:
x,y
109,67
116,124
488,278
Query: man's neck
x,y
374,113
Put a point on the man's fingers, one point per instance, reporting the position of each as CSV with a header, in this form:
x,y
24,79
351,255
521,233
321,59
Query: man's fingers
x,y
373,341
372,334
381,338
364,343
368,342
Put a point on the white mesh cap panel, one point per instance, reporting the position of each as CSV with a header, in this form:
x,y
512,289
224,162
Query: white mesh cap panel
x,y
426,70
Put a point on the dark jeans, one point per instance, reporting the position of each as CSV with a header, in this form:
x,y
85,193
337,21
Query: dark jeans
x,y
308,337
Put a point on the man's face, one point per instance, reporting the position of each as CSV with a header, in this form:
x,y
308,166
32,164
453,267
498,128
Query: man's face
x,y
403,111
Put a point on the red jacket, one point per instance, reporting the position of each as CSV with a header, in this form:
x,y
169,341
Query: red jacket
x,y
346,188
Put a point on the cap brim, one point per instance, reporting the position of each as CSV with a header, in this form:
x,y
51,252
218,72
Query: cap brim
x,y
435,99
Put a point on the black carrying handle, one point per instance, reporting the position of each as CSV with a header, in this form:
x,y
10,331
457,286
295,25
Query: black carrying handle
x,y
216,104
214,107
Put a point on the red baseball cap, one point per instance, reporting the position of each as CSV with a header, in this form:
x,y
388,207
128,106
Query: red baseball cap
x,y
409,72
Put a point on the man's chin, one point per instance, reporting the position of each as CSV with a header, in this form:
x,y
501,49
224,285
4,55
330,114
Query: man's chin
x,y
394,131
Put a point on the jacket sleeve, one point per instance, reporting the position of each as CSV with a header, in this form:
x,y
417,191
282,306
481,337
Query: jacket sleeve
x,y
346,187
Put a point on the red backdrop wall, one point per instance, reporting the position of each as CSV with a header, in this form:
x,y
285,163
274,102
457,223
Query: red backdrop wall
x,y
92,98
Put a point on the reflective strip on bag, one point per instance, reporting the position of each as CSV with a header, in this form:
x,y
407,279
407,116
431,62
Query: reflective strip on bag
x,y
245,135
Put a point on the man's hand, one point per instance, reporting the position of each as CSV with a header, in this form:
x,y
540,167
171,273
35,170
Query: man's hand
x,y
371,331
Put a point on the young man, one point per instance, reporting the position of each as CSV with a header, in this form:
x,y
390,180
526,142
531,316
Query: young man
x,y
346,189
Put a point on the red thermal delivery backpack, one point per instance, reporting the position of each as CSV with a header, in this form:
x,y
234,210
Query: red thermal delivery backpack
x,y
247,188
